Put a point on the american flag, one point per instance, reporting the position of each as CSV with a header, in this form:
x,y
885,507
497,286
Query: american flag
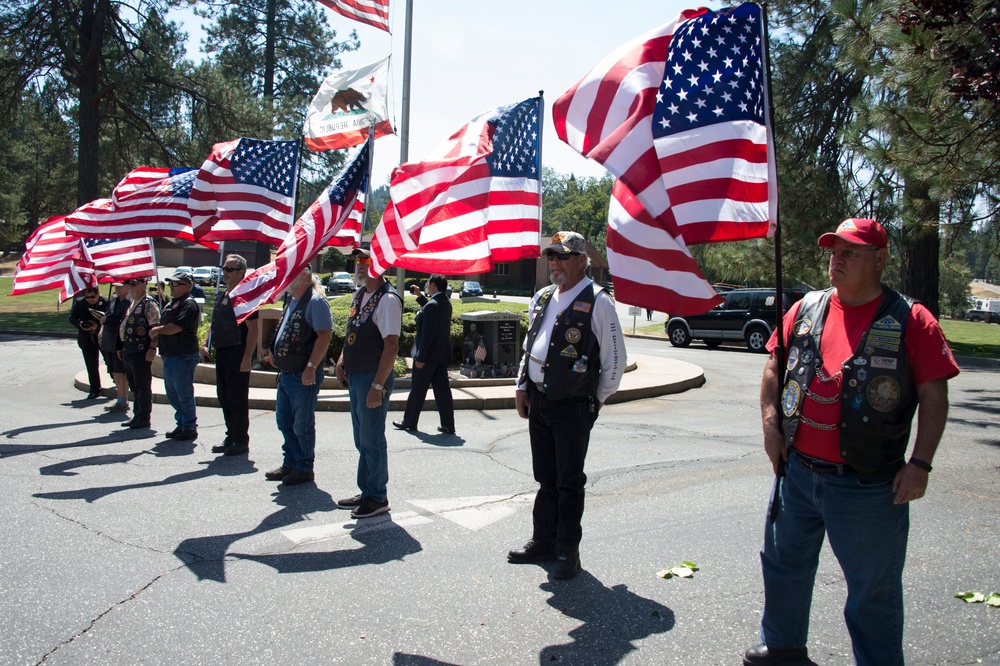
x,y
476,200
717,172
370,12
245,190
49,243
148,202
41,276
709,128
349,235
78,277
310,234
120,258
650,265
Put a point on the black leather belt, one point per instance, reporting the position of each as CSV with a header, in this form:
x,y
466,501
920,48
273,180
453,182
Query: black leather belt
x,y
823,466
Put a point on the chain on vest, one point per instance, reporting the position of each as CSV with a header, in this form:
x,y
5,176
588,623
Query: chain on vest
x,y
877,396
363,345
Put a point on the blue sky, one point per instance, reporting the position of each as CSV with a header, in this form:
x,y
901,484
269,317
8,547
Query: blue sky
x,y
470,56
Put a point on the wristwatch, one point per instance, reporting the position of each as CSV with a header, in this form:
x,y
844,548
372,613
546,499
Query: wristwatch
x,y
377,387
310,364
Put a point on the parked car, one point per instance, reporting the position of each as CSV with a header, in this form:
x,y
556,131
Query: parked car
x,y
205,275
470,289
184,269
746,315
983,315
340,283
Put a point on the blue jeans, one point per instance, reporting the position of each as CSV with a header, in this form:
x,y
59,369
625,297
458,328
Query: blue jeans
x,y
867,533
369,435
178,380
295,414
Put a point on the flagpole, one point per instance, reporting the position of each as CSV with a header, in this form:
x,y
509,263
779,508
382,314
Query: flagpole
x,y
541,184
779,351
404,127
368,177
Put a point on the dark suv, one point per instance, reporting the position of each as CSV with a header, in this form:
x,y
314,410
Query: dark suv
x,y
746,315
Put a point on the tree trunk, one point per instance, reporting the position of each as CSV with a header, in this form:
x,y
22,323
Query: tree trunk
x,y
92,21
920,244
262,253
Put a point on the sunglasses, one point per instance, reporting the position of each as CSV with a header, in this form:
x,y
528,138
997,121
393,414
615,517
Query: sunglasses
x,y
363,260
231,269
91,295
847,253
561,256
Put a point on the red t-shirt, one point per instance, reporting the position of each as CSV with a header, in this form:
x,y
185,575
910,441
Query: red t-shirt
x,y
928,352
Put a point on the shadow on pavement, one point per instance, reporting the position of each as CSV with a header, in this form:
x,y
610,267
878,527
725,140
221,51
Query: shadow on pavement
x,y
404,659
11,450
613,618
214,467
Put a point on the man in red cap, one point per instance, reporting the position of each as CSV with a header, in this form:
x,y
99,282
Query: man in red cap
x,y
862,359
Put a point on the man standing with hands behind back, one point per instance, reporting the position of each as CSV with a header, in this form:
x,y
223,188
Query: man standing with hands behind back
x,y
235,345
574,357
431,356
861,360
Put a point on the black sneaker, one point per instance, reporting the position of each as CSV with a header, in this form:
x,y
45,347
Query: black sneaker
x,y
181,435
173,433
298,476
533,551
350,502
567,565
369,508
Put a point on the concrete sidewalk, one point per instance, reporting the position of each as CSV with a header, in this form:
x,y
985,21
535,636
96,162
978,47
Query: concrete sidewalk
x,y
645,377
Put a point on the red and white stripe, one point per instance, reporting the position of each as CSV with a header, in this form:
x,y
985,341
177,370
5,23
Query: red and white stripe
x,y
122,258
650,265
349,235
49,243
222,209
370,12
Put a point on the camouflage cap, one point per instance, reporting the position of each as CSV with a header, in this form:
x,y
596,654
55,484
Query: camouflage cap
x,y
568,241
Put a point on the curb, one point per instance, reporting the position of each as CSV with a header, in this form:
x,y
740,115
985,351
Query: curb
x,y
651,377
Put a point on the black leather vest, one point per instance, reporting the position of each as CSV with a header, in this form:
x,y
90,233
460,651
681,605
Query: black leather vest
x,y
136,337
225,331
573,363
877,396
363,345
110,342
293,345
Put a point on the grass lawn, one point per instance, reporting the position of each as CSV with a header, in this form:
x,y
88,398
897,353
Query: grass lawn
x,y
40,313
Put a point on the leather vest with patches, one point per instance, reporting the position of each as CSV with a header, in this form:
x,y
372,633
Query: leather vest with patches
x,y
292,345
567,373
136,337
877,396
225,331
110,342
363,344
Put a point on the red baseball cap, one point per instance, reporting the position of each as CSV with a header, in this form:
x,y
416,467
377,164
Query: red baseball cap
x,y
857,230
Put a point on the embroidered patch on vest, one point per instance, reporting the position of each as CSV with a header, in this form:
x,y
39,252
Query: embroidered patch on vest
x,y
884,362
883,394
573,335
802,326
581,306
569,352
351,338
790,398
793,359
888,323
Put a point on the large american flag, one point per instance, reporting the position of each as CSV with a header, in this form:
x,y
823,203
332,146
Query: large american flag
x,y
120,258
476,200
710,131
45,275
349,235
371,12
245,190
317,226
650,265
148,202
48,243
79,276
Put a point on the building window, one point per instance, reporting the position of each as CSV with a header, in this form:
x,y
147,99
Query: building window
x,y
501,269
